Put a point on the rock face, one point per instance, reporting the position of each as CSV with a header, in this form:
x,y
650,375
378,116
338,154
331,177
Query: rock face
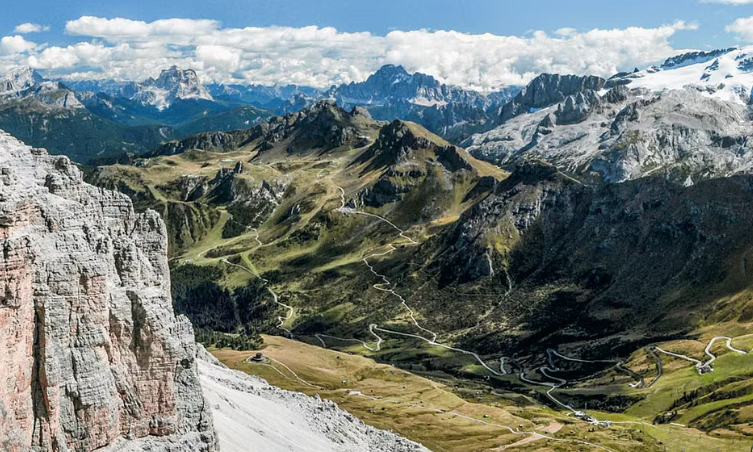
x,y
620,265
172,85
25,84
93,357
18,80
625,134
687,120
546,90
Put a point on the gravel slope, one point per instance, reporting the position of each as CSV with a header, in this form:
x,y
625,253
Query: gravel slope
x,y
250,414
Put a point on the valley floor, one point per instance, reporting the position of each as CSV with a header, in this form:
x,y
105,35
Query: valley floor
x,y
447,414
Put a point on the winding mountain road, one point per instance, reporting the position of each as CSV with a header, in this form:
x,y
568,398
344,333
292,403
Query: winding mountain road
x,y
659,365
729,346
704,366
376,348
431,337
290,309
386,285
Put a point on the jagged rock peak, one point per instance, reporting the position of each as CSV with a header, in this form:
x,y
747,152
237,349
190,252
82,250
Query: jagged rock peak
x,y
402,142
392,73
25,84
175,78
205,141
93,355
360,111
172,84
549,89
689,58
19,79
400,134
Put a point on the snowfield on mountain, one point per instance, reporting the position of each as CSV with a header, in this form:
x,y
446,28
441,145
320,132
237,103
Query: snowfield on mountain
x,y
688,120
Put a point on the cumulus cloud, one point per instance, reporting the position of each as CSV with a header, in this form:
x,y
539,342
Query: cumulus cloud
x,y
127,49
119,29
742,28
567,31
12,45
29,27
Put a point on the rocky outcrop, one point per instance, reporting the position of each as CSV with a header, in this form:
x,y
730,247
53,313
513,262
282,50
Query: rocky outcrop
x,y
406,154
25,84
625,134
93,356
548,89
172,85
206,141
248,202
322,127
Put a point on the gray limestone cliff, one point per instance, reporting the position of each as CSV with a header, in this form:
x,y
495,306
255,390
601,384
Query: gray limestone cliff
x,y
92,355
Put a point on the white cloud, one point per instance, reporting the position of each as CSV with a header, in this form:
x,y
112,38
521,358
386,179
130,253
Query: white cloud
x,y
742,28
119,29
486,61
128,49
565,31
219,57
11,45
30,28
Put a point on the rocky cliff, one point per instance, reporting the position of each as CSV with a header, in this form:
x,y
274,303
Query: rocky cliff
x,y
92,354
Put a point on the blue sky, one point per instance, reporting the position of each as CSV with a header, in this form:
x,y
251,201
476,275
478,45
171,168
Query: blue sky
x,y
694,24
380,17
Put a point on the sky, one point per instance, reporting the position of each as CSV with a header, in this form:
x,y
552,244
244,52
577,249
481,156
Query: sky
x,y
477,44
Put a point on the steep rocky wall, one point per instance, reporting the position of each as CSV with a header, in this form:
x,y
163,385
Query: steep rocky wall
x,y
91,353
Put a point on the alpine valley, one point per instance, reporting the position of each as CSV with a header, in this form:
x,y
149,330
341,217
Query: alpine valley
x,y
561,266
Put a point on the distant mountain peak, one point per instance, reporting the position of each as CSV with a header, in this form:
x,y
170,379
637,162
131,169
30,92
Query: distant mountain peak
x,y
172,84
392,72
23,83
549,89
173,75
688,58
725,74
19,79
391,83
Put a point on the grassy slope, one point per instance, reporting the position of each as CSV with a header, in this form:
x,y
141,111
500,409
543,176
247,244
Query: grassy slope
x,y
323,279
408,403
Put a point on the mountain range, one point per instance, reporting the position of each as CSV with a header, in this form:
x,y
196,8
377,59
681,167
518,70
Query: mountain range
x,y
565,264
612,220
687,120
132,119
139,115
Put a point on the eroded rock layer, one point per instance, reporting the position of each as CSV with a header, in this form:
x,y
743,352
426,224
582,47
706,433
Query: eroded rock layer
x,y
91,353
